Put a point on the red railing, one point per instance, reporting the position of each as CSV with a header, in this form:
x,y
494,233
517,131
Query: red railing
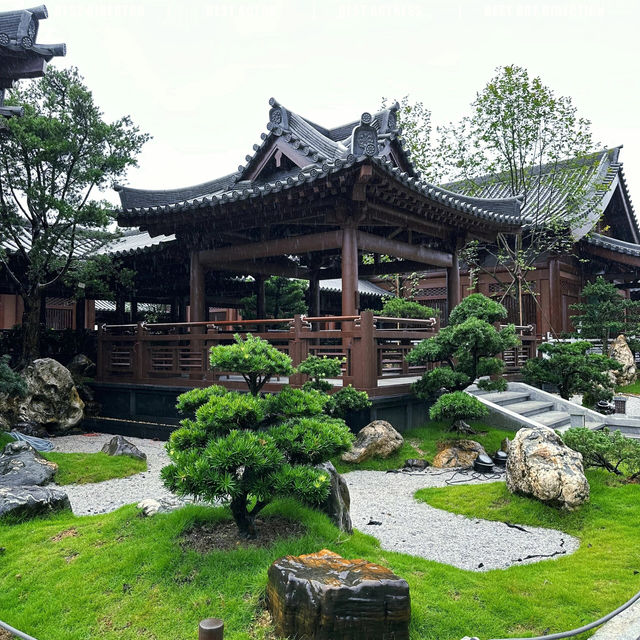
x,y
373,349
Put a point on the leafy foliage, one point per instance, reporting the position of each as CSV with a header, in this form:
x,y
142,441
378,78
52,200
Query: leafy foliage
x,y
283,297
604,312
254,359
246,449
319,369
458,406
570,368
53,161
345,400
605,449
403,308
11,382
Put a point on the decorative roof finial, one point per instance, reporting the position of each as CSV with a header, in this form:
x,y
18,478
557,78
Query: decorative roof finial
x,y
278,117
364,139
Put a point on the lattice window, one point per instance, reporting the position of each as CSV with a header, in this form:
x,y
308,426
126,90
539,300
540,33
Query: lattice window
x,y
434,292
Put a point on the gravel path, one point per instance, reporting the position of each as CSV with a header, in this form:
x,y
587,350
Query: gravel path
x,y
407,526
102,497
413,527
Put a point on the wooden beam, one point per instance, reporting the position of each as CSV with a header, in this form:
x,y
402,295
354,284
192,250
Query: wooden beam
x,y
613,256
369,242
281,246
262,267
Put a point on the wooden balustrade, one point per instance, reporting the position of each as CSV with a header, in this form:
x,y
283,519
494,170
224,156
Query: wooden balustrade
x,y
373,350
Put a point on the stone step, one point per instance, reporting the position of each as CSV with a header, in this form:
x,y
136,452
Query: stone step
x,y
505,398
531,407
552,419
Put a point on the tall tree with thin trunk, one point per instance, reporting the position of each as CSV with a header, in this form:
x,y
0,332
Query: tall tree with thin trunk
x,y
54,161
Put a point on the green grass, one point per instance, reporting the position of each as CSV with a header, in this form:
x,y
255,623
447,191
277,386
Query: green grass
x,y
426,439
119,576
5,439
83,468
634,387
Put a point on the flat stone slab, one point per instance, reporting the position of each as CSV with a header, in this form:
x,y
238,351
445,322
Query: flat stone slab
x,y
625,626
322,596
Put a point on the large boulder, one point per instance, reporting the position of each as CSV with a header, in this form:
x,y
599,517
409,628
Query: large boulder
x,y
322,596
21,464
52,399
377,440
457,453
337,504
26,502
81,367
622,354
120,446
542,466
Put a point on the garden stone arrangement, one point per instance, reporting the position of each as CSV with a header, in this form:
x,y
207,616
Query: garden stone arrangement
x,y
377,439
383,505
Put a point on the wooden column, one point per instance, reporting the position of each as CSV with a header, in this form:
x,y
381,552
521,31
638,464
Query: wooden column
x,y
261,306
81,315
196,291
134,311
349,271
453,282
555,296
314,295
120,312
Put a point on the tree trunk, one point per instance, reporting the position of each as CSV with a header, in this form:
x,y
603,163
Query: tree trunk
x,y
244,520
460,426
31,328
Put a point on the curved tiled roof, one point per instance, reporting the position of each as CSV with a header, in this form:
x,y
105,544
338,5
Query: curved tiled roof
x,y
613,244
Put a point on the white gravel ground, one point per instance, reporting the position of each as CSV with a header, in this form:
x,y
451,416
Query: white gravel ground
x,y
408,526
413,527
102,497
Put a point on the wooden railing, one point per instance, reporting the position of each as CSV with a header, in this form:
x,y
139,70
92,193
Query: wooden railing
x,y
515,358
373,349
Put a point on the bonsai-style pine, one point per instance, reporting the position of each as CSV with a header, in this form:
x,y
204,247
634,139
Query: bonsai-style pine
x,y
568,366
466,349
319,369
247,450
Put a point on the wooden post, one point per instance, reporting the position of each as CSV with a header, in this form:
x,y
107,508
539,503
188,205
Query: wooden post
x,y
211,629
453,282
120,312
349,271
134,311
314,295
298,349
100,364
196,290
139,351
364,356
261,307
81,315
555,296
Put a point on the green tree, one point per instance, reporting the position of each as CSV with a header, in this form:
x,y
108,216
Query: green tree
x,y
284,298
522,137
403,308
254,359
53,163
466,349
319,369
248,450
605,312
457,407
568,366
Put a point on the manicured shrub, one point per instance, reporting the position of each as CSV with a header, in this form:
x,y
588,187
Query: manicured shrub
x,y
403,308
458,407
605,449
466,349
247,450
11,383
254,359
568,366
188,402
319,369
345,400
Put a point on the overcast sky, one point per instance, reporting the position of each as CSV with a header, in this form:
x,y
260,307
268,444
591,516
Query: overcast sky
x,y
197,75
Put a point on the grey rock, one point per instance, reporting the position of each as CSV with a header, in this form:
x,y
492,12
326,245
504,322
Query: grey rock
x,y
119,446
337,505
82,367
29,501
416,464
150,507
542,466
377,440
21,465
52,399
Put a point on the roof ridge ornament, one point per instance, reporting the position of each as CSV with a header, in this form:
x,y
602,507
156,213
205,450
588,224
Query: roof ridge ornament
x,y
364,139
278,117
